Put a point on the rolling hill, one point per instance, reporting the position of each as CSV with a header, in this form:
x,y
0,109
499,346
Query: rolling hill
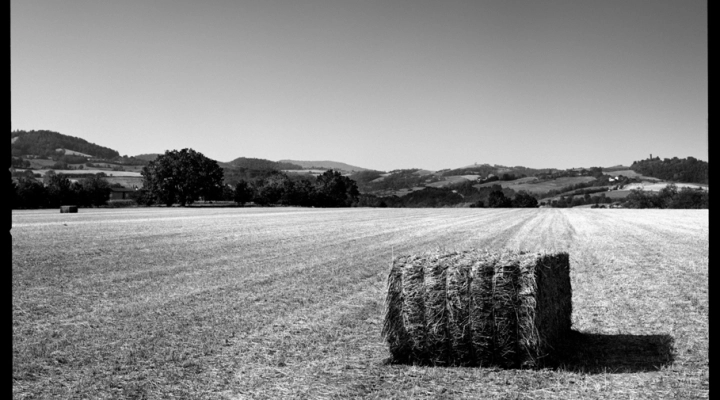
x,y
44,143
325,165
40,152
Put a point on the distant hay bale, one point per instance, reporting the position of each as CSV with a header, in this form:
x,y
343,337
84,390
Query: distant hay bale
x,y
68,209
477,308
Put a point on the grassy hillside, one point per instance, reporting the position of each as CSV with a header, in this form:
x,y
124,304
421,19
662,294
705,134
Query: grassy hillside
x,y
535,185
45,143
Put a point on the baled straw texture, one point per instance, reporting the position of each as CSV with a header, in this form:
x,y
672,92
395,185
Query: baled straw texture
x,y
482,325
458,309
504,308
477,308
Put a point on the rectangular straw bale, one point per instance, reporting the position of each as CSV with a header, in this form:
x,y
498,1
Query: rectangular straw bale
x,y
482,325
393,328
458,308
68,209
413,307
477,308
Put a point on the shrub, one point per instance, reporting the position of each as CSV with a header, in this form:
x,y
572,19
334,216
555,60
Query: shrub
x,y
121,203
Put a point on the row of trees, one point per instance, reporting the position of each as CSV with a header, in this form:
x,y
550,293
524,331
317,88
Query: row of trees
x,y
497,199
331,189
669,197
185,176
58,190
574,201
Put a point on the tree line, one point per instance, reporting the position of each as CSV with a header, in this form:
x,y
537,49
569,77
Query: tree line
x,y
57,190
185,176
669,197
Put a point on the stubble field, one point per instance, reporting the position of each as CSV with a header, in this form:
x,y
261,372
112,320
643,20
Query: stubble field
x,y
268,303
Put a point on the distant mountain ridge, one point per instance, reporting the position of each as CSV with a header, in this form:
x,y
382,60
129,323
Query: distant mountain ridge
x,y
325,165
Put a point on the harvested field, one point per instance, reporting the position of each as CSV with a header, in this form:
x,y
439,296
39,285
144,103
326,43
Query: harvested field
x,y
233,303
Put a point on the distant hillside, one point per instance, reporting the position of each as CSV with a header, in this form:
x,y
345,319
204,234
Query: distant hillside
x,y
45,143
325,165
73,153
487,169
689,169
260,164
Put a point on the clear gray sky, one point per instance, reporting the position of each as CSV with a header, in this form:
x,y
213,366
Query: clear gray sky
x,y
379,84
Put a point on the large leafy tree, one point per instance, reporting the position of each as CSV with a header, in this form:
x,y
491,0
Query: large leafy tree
x,y
497,199
59,189
182,177
332,189
95,190
243,192
269,189
524,200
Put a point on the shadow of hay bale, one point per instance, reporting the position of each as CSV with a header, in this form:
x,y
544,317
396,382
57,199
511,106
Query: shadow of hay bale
x,y
592,353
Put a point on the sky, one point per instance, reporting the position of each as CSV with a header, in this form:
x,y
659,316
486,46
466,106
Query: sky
x,y
391,84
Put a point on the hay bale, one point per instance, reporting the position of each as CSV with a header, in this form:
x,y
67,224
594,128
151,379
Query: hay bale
x,y
473,307
68,209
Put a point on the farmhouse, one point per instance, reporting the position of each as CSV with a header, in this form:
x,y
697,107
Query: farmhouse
x,y
120,193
